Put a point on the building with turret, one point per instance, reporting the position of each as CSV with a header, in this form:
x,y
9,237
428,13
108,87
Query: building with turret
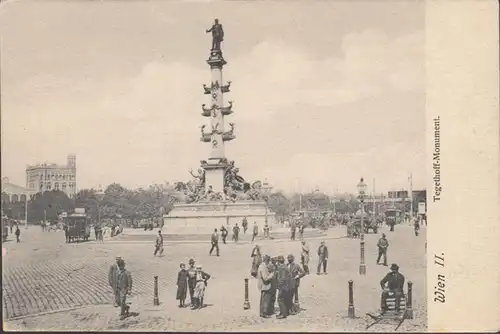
x,y
51,176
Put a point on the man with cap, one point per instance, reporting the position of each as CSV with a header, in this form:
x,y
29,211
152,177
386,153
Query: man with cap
x,y
113,280
284,288
297,273
382,245
395,284
215,242
191,279
323,258
124,287
199,291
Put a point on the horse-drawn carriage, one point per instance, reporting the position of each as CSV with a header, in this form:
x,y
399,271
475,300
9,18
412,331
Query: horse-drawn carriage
x,y
77,227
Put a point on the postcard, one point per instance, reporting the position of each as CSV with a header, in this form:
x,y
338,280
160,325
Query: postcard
x,y
256,166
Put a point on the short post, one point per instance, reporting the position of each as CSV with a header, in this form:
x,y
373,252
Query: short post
x,y
350,308
246,304
156,300
409,308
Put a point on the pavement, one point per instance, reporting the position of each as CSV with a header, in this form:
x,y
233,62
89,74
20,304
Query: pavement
x,y
50,285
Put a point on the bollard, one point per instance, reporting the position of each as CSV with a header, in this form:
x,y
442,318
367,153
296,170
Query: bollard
x,y
409,308
156,300
362,265
246,304
350,308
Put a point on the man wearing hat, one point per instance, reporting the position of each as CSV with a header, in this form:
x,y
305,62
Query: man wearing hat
x,y
395,283
113,280
199,291
284,288
323,258
297,273
191,279
124,287
382,249
264,284
215,242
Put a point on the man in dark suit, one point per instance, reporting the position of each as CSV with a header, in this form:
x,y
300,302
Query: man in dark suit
x,y
395,284
297,273
284,287
215,242
323,257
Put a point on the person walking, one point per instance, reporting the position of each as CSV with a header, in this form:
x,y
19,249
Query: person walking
x,y
159,244
191,279
382,245
293,228
416,226
304,256
266,231
256,260
18,234
236,232
244,223
199,291
255,230
124,286
264,285
215,242
113,280
302,227
322,258
182,285
296,273
224,233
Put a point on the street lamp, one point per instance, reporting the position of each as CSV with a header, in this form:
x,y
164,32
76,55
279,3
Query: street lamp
x,y
100,195
361,195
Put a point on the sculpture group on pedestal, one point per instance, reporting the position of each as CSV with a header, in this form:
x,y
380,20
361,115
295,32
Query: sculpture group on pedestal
x,y
235,187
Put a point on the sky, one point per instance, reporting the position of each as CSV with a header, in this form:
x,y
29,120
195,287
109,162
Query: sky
x,y
324,92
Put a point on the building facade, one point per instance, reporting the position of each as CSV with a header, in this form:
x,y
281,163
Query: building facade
x,y
50,176
15,199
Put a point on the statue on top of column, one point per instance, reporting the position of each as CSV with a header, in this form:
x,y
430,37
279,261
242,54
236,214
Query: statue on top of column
x,y
217,35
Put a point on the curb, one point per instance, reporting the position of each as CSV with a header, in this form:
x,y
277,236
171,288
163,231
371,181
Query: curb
x,y
67,309
176,242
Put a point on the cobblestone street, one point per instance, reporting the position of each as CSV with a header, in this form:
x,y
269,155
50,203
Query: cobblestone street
x,y
43,275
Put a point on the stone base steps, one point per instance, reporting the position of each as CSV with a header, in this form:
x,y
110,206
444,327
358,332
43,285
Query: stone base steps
x,y
206,237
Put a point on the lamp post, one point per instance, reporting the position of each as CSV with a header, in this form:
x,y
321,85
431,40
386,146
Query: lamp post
x,y
100,195
361,194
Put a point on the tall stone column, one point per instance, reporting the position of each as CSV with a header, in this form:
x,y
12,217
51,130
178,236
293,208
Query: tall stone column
x,y
216,118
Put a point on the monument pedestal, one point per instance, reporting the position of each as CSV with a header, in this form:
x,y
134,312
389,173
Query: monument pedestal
x,y
204,217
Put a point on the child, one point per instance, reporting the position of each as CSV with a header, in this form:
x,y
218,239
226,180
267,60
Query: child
x,y
182,285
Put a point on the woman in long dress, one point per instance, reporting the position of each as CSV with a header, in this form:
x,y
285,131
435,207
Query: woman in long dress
x,y
182,285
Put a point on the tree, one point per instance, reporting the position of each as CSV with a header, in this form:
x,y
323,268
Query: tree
x,y
49,205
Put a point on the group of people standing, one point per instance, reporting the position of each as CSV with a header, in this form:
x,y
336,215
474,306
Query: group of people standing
x,y
193,279
280,281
